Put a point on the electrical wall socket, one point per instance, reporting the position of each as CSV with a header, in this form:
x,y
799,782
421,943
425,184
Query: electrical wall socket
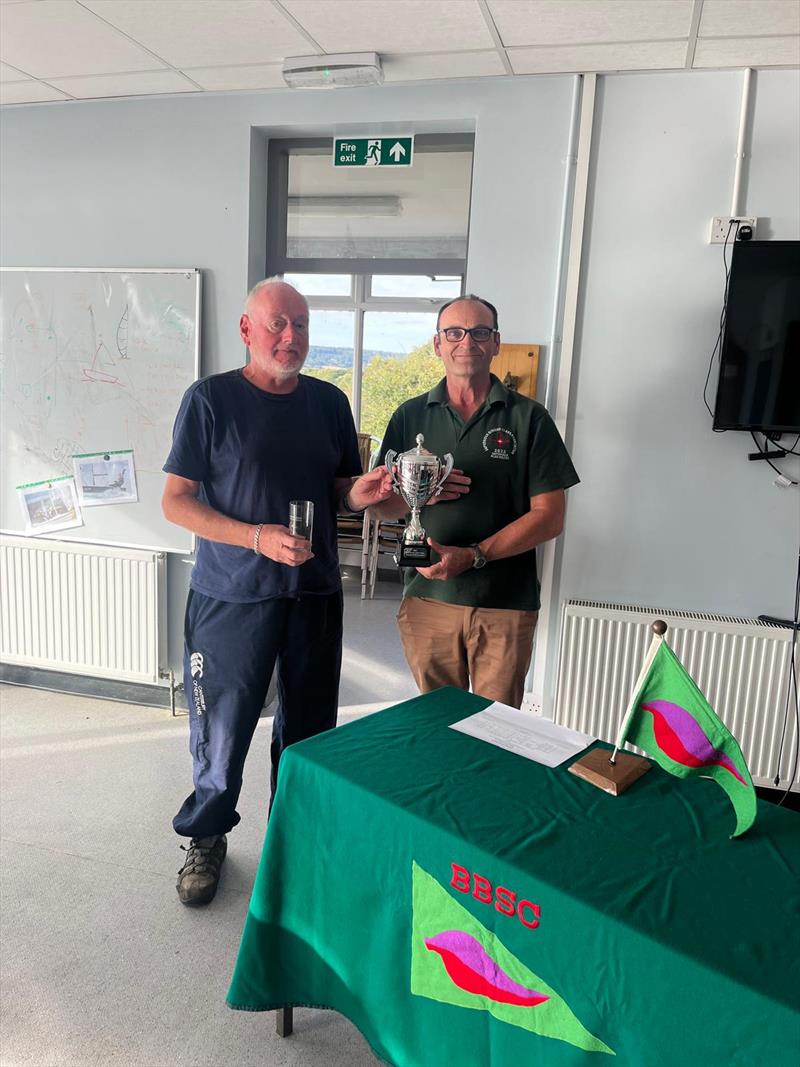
x,y
721,229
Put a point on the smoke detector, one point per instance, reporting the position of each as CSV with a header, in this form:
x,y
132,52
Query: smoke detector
x,y
321,72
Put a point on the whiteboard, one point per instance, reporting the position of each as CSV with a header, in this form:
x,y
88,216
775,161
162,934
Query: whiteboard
x,y
95,361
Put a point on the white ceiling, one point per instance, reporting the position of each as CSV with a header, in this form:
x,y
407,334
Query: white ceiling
x,y
82,49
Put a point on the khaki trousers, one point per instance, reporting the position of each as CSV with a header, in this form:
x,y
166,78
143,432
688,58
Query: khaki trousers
x,y
448,644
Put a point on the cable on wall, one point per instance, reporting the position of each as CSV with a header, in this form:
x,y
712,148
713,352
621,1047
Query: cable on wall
x,y
717,349
786,480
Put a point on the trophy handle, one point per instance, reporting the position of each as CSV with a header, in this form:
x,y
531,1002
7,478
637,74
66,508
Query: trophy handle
x,y
391,456
448,466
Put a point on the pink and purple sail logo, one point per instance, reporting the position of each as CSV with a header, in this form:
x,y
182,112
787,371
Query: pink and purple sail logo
x,y
674,723
471,968
457,960
679,735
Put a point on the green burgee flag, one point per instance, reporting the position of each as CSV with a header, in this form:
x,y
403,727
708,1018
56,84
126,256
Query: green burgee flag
x,y
673,722
456,960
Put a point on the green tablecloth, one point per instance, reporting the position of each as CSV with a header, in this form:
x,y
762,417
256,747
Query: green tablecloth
x,y
639,929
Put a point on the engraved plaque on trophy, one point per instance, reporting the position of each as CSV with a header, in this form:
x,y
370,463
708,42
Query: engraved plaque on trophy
x,y
417,476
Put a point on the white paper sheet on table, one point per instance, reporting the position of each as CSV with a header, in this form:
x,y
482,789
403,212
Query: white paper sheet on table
x,y
526,734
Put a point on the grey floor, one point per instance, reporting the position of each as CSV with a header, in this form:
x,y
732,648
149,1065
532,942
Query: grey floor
x,y
100,962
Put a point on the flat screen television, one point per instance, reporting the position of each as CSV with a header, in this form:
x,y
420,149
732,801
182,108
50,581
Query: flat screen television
x,y
759,375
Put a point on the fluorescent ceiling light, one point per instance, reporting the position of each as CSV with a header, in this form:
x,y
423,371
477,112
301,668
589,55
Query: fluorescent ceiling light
x,y
371,206
327,72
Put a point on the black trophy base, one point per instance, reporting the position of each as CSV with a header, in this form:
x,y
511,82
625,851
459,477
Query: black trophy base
x,y
412,554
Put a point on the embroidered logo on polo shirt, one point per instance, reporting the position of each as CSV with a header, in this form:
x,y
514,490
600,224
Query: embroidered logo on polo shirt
x,y
500,443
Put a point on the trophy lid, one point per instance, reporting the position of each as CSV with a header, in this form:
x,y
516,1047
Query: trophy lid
x,y
419,456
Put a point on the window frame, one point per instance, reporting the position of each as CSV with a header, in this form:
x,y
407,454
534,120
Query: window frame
x,y
277,261
360,301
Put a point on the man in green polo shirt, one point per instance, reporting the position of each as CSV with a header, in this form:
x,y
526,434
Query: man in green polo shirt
x,y
471,616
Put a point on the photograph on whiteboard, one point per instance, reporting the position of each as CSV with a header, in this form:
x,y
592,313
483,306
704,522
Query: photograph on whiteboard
x,y
105,477
50,505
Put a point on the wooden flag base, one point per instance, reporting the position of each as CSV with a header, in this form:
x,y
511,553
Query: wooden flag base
x,y
613,778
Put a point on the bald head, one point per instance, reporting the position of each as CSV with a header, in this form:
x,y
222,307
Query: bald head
x,y
276,286
274,327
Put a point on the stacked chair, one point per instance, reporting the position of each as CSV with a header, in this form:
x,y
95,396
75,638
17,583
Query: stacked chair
x,y
371,537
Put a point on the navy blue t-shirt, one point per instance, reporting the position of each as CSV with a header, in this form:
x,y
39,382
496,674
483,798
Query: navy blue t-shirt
x,y
252,453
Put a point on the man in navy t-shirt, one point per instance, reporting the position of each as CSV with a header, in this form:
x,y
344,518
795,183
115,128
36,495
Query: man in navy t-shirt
x,y
245,444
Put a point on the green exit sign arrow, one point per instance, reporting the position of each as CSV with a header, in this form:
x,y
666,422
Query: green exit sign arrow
x,y
373,151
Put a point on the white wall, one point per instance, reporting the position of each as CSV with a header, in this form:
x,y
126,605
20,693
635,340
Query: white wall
x,y
671,514
167,183
667,513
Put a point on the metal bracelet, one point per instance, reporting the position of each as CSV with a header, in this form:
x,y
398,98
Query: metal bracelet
x,y
256,537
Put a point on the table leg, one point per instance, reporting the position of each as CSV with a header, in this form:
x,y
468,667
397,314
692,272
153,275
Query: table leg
x,y
284,1021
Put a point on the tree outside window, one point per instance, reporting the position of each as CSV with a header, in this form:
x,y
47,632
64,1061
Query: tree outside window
x,y
376,348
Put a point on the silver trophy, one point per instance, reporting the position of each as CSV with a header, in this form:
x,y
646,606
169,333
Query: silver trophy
x,y
418,476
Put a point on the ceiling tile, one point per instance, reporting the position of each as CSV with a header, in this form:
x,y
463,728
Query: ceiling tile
x,y
28,92
662,55
57,38
540,22
11,74
755,52
199,33
445,65
392,25
145,84
750,18
257,76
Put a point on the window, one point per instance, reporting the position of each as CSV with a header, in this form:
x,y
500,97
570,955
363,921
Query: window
x,y
377,220
401,285
377,350
332,347
376,253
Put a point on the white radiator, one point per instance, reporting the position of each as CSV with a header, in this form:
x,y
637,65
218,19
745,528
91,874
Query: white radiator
x,y
741,665
86,609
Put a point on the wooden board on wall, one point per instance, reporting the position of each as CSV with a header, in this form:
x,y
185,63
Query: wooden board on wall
x,y
521,364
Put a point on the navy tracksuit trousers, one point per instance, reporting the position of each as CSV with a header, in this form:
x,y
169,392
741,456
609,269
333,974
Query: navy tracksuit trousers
x,y
230,653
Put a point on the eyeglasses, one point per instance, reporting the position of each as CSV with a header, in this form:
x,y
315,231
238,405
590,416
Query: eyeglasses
x,y
477,333
278,325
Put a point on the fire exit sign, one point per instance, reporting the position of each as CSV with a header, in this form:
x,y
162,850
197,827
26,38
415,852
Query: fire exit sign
x,y
373,151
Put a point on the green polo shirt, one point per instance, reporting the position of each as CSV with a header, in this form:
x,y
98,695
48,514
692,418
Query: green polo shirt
x,y
511,450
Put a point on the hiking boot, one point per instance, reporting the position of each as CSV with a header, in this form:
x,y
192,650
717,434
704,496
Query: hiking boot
x,y
198,878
